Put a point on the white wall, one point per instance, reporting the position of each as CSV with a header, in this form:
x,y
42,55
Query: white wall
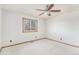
x,y
12,28
0,28
65,26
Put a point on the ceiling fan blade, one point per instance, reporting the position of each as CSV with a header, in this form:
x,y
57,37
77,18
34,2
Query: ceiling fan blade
x,y
40,10
55,10
50,6
41,14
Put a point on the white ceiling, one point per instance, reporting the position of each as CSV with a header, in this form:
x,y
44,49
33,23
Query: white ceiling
x,y
30,9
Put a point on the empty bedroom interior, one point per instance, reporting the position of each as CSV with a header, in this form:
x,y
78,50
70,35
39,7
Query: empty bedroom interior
x,y
39,29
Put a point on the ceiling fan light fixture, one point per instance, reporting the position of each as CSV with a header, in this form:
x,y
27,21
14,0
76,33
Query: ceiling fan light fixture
x,y
49,14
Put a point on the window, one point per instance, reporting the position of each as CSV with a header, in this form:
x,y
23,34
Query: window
x,y
30,25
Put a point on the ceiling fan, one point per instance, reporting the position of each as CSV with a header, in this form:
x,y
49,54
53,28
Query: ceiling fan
x,y
48,9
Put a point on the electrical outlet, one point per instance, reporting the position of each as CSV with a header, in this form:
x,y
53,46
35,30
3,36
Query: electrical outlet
x,y
35,36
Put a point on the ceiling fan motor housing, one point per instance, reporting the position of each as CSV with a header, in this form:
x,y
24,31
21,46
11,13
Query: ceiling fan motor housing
x,y
49,14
